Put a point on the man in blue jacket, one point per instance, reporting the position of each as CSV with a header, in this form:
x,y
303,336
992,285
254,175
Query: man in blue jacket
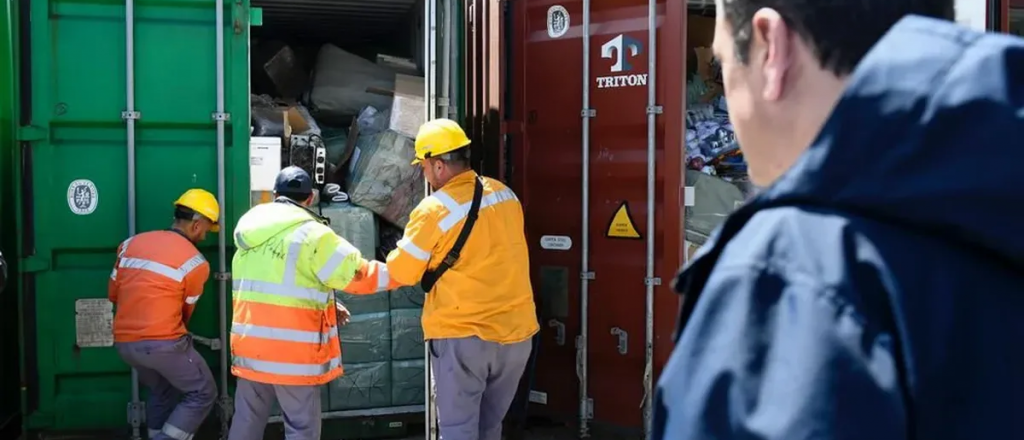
x,y
874,290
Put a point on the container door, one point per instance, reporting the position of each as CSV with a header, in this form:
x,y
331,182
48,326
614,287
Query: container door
x,y
73,193
548,69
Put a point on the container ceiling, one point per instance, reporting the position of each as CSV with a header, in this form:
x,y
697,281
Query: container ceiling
x,y
334,20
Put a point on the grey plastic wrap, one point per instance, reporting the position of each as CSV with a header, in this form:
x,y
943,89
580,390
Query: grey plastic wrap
x,y
409,297
340,83
362,386
383,179
406,334
358,226
407,382
366,338
267,116
714,200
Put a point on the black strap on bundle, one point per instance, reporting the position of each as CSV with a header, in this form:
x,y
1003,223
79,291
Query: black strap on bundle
x,y
431,276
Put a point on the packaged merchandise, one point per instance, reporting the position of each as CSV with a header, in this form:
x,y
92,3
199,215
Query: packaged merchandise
x,y
382,179
366,338
407,382
366,385
406,334
341,85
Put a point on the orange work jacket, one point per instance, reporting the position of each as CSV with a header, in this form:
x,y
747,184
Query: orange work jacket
x,y
154,286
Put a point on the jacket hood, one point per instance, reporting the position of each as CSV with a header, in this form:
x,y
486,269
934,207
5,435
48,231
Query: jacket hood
x,y
265,221
923,138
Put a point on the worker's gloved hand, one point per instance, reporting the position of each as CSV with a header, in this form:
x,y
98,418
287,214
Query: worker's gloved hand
x,y
343,313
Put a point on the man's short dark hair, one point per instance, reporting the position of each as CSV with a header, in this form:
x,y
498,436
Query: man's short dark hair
x,y
839,31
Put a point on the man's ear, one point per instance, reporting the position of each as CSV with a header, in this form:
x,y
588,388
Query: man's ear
x,y
769,27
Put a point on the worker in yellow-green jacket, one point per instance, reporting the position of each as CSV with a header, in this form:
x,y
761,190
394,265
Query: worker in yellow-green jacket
x,y
466,245
284,334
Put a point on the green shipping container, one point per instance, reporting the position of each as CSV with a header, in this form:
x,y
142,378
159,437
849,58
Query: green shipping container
x,y
68,71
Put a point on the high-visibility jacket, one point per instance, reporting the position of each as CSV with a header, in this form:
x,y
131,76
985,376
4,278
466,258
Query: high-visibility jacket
x,y
487,293
284,329
156,281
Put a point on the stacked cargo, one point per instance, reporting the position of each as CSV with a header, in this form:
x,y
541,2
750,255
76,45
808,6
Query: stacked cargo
x,y
352,129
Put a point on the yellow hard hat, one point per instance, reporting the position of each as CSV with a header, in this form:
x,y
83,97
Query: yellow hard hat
x,y
438,137
202,202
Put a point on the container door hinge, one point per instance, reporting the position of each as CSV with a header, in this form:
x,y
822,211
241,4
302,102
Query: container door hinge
x,y
588,113
655,281
655,110
588,275
212,343
443,102
32,133
589,409
221,116
222,276
131,116
136,414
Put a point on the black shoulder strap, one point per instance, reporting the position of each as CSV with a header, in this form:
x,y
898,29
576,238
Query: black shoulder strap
x,y
431,276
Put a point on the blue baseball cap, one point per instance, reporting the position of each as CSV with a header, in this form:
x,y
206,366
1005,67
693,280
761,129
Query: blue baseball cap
x,y
293,182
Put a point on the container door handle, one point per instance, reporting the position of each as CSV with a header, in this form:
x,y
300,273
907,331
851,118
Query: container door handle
x,y
559,331
623,339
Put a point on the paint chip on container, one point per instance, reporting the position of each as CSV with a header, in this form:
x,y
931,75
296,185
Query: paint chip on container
x,y
556,242
83,197
558,21
94,323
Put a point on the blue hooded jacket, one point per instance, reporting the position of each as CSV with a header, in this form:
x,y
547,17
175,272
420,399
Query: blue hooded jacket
x,y
876,290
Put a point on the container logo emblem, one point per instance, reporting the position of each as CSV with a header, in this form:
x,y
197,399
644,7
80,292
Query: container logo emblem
x,y
621,49
558,21
83,197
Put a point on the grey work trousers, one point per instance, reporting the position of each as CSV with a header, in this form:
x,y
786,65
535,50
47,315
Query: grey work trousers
x,y
475,382
181,387
254,401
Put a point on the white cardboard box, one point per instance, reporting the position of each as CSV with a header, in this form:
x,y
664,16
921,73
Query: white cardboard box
x,y
264,162
408,109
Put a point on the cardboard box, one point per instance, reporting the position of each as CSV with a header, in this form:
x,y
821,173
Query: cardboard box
x,y
408,109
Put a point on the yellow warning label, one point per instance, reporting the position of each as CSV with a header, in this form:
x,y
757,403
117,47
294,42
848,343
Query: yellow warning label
x,y
621,225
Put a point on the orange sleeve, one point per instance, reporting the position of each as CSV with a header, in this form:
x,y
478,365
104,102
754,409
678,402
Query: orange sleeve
x,y
372,277
195,281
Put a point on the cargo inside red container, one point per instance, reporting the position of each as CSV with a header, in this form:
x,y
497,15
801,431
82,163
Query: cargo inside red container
x,y
603,217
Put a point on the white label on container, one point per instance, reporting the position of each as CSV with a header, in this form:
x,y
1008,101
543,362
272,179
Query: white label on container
x,y
538,397
83,197
558,21
556,242
395,424
94,323
689,196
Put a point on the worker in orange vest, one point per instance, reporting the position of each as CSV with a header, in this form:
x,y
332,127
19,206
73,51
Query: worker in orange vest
x,y
156,282
284,334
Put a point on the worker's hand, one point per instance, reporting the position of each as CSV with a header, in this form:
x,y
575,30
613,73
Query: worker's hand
x,y
343,313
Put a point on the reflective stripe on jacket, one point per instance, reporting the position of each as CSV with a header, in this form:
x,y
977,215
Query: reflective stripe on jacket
x,y
155,284
487,293
284,328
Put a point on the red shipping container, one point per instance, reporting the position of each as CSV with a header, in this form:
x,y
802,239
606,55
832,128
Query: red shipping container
x,y
603,217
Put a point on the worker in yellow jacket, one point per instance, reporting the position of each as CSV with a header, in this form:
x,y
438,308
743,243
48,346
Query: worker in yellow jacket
x,y
284,334
479,313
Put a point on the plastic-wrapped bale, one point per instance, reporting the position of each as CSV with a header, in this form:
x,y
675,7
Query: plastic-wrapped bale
x,y
362,386
714,200
407,382
366,338
382,178
406,334
340,83
358,226
409,297
275,410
